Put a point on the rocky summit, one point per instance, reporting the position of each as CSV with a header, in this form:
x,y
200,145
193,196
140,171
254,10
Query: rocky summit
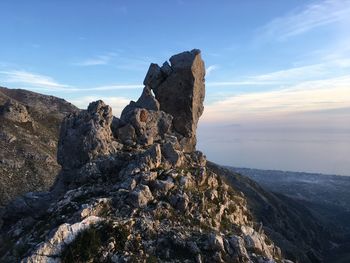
x,y
134,188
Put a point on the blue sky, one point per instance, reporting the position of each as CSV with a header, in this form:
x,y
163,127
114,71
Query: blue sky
x,y
270,64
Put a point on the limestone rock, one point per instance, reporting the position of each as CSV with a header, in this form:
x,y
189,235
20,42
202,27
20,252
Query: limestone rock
x,y
181,93
140,196
150,126
126,134
171,155
49,251
147,100
154,76
152,158
86,135
164,185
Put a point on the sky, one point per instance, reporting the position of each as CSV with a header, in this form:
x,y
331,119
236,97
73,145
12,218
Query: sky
x,y
277,72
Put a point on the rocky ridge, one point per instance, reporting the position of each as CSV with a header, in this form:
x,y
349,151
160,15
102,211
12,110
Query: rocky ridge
x,y
29,127
134,189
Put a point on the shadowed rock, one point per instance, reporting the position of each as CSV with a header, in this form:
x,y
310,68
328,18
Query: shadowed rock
x,y
147,100
86,135
180,90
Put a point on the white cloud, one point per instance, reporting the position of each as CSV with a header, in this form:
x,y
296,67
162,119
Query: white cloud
x,y
313,15
333,93
295,73
210,69
331,66
98,60
117,103
34,81
238,83
31,79
279,77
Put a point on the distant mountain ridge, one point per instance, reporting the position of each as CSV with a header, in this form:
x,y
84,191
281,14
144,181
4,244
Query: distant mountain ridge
x,y
29,127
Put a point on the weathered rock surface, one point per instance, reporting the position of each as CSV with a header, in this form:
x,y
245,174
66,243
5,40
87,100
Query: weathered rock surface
x,y
86,135
180,90
50,250
134,190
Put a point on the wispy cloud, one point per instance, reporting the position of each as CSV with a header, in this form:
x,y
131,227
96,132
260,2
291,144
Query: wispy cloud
x,y
322,94
278,77
295,73
97,60
210,69
239,83
30,79
332,65
311,16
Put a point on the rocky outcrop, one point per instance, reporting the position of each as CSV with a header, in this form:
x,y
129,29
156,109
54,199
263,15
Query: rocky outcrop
x,y
133,189
145,212
86,135
180,90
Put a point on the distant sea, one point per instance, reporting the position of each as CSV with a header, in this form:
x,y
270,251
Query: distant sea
x,y
313,151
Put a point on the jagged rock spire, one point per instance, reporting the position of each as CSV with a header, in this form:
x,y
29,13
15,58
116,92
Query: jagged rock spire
x,y
180,91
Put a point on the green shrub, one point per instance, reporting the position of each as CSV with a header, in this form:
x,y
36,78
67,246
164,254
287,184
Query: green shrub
x,y
86,246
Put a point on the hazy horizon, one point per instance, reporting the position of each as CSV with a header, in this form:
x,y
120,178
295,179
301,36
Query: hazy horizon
x,y
277,149
277,83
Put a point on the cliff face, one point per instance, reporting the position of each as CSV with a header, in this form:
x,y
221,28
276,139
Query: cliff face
x,y
29,127
134,189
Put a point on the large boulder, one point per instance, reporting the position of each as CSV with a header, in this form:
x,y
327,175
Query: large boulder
x,y
86,135
180,91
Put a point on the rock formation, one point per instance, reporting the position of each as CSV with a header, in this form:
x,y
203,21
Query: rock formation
x,y
180,90
133,189
86,135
